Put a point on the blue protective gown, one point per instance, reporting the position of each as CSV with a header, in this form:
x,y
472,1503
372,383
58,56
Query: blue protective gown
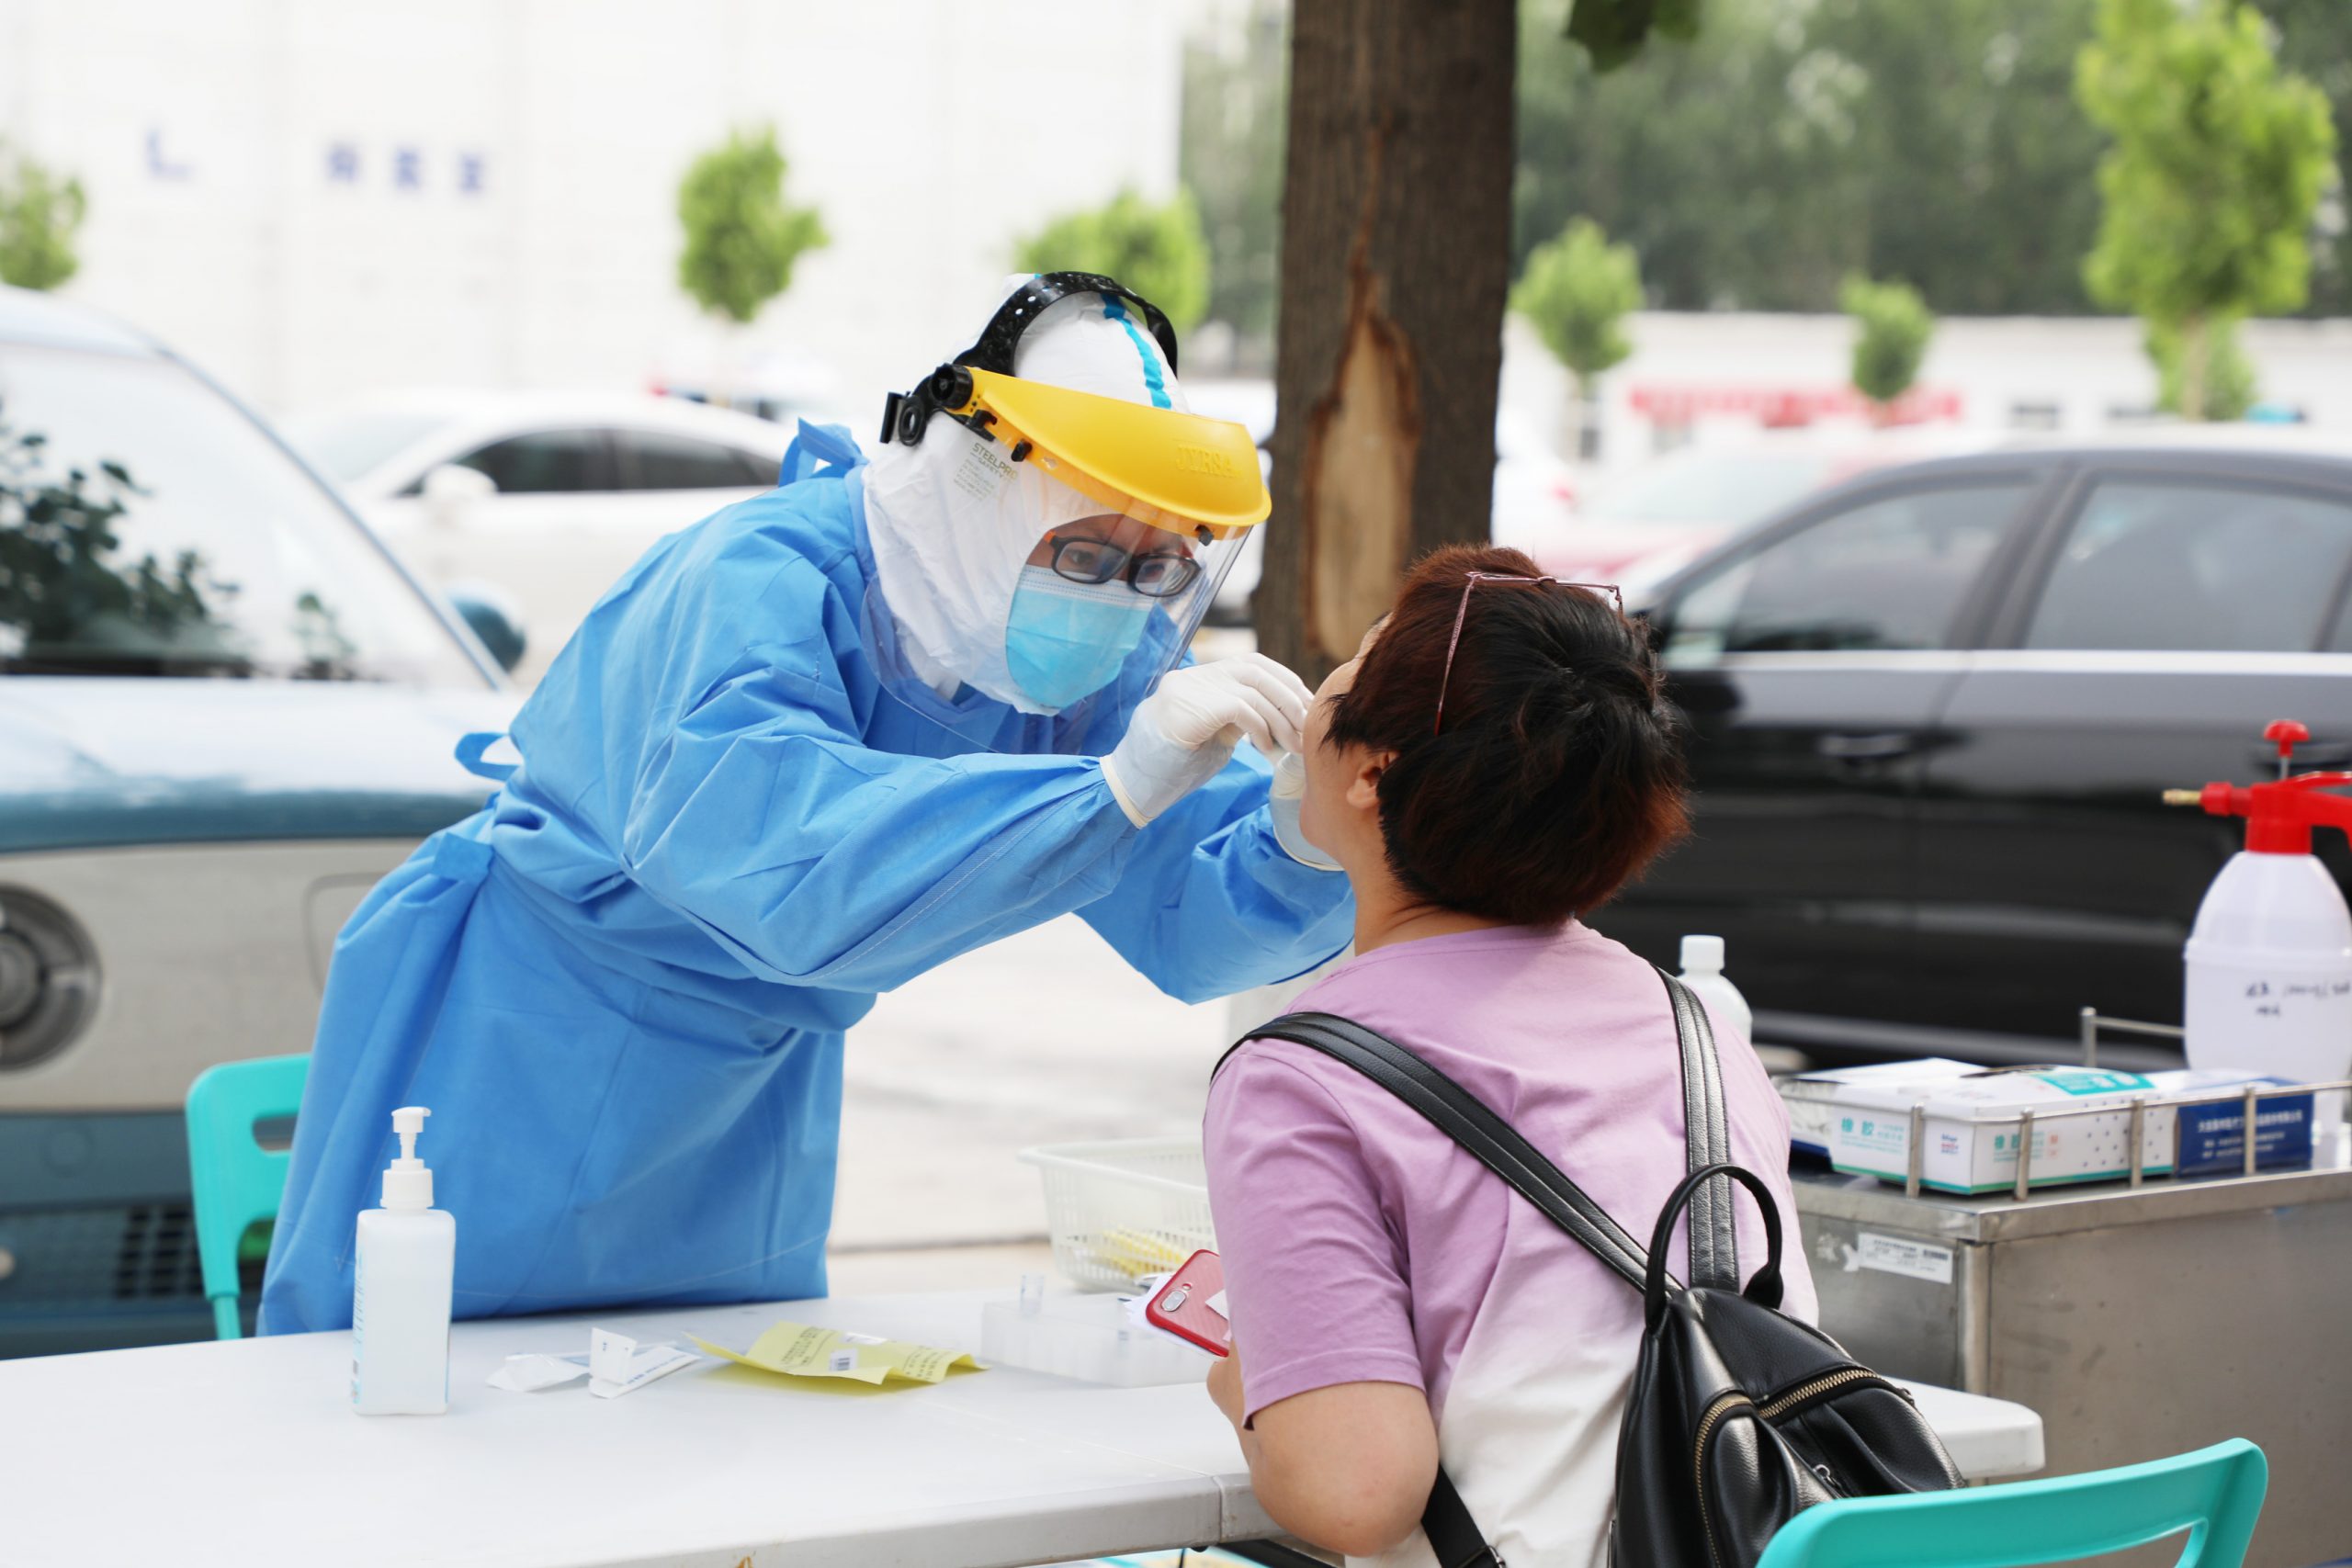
x,y
621,987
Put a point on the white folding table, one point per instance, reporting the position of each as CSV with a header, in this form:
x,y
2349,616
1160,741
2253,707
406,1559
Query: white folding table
x,y
248,1453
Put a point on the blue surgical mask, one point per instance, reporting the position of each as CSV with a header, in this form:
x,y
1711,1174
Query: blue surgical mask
x,y
1064,640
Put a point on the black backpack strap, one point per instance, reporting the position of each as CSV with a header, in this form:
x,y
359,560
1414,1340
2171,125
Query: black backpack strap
x,y
1462,1117
1714,1240
1453,1535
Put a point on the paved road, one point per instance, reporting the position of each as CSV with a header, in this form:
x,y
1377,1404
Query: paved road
x,y
1045,1037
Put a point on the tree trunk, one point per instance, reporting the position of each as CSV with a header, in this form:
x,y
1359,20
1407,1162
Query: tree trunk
x,y
2194,341
1395,261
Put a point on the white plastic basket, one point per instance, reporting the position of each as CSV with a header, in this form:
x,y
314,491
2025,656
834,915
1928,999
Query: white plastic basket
x,y
1124,1209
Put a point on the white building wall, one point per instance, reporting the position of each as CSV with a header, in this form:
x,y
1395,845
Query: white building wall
x,y
1997,372
321,197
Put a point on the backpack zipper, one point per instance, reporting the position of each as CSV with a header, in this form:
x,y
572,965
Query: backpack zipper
x,y
1780,1403
1723,1404
1720,1406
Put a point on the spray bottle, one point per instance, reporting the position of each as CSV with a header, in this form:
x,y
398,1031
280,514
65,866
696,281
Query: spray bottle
x,y
1702,971
401,1290
2269,960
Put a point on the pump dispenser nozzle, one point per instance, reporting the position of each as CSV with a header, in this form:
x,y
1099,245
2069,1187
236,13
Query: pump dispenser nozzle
x,y
407,1183
2279,817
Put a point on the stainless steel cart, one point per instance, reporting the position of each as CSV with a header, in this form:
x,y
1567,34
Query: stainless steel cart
x,y
2139,1321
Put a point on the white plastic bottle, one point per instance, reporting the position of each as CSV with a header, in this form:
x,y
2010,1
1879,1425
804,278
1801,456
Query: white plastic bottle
x,y
1702,971
401,1290
2269,960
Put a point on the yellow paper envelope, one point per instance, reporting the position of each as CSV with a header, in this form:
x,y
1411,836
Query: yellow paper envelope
x,y
798,1350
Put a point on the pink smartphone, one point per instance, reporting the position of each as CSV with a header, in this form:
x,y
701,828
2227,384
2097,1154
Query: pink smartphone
x,y
1182,1303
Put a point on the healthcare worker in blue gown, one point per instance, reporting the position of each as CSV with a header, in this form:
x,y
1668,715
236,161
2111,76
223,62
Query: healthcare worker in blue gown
x,y
805,751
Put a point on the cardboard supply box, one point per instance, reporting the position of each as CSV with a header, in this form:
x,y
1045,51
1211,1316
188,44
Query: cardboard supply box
x,y
1813,1097
1970,1128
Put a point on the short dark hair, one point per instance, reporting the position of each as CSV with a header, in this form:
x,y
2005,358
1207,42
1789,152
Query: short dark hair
x,y
1558,773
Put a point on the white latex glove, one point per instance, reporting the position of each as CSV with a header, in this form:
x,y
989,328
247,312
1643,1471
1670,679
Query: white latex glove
x,y
1186,730
1289,789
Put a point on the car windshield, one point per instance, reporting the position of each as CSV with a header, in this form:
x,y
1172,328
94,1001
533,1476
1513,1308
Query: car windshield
x,y
1726,488
347,446
148,528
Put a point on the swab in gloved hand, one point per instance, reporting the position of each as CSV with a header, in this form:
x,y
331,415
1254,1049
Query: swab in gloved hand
x,y
1186,730
1283,802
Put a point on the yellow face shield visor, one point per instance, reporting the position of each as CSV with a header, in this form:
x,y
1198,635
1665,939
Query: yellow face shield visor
x,y
1174,470
1192,476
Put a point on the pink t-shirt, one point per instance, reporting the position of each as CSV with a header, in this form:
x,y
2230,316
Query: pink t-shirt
x,y
1361,1244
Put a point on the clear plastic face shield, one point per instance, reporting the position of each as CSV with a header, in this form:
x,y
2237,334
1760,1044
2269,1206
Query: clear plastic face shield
x,y
1102,593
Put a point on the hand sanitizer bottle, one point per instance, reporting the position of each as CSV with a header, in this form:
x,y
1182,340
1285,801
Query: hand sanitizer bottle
x,y
1702,971
401,1290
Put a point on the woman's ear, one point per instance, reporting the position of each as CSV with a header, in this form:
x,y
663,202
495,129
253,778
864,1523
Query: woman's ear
x,y
1364,788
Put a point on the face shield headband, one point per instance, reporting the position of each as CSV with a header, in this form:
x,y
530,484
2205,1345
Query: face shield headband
x,y
905,414
1173,470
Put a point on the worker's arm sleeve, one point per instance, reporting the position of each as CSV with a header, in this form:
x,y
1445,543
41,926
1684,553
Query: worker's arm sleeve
x,y
757,813
1210,904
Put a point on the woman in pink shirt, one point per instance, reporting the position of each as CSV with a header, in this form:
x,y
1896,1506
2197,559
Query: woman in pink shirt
x,y
1496,761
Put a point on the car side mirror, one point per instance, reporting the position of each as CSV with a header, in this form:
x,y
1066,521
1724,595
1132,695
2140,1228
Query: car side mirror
x,y
450,488
492,616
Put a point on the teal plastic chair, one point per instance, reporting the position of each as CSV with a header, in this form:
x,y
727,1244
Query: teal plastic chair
x,y
234,1180
2213,1494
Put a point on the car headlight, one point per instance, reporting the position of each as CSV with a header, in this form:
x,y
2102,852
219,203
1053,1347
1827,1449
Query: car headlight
x,y
48,978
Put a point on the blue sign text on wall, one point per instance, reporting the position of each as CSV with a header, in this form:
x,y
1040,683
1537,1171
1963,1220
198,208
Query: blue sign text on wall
x,y
406,167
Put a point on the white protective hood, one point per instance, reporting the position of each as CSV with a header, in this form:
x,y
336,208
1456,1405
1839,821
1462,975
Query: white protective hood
x,y
953,520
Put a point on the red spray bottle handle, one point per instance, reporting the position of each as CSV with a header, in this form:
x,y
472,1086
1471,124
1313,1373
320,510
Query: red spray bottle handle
x,y
2280,816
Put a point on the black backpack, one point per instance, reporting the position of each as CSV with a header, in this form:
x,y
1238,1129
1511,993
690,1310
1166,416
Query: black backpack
x,y
1739,1417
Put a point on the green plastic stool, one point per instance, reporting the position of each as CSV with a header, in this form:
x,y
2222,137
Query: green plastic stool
x,y
234,1180
2213,1494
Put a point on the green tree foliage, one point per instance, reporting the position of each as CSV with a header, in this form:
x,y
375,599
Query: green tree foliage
x,y
1158,250
2209,190
742,237
2315,39
1613,31
2231,387
1576,292
1793,142
1892,326
1235,110
39,216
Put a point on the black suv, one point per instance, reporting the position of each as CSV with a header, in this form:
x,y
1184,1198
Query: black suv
x,y
1932,712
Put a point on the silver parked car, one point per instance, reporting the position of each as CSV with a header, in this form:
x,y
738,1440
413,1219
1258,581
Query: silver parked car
x,y
225,711
545,499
